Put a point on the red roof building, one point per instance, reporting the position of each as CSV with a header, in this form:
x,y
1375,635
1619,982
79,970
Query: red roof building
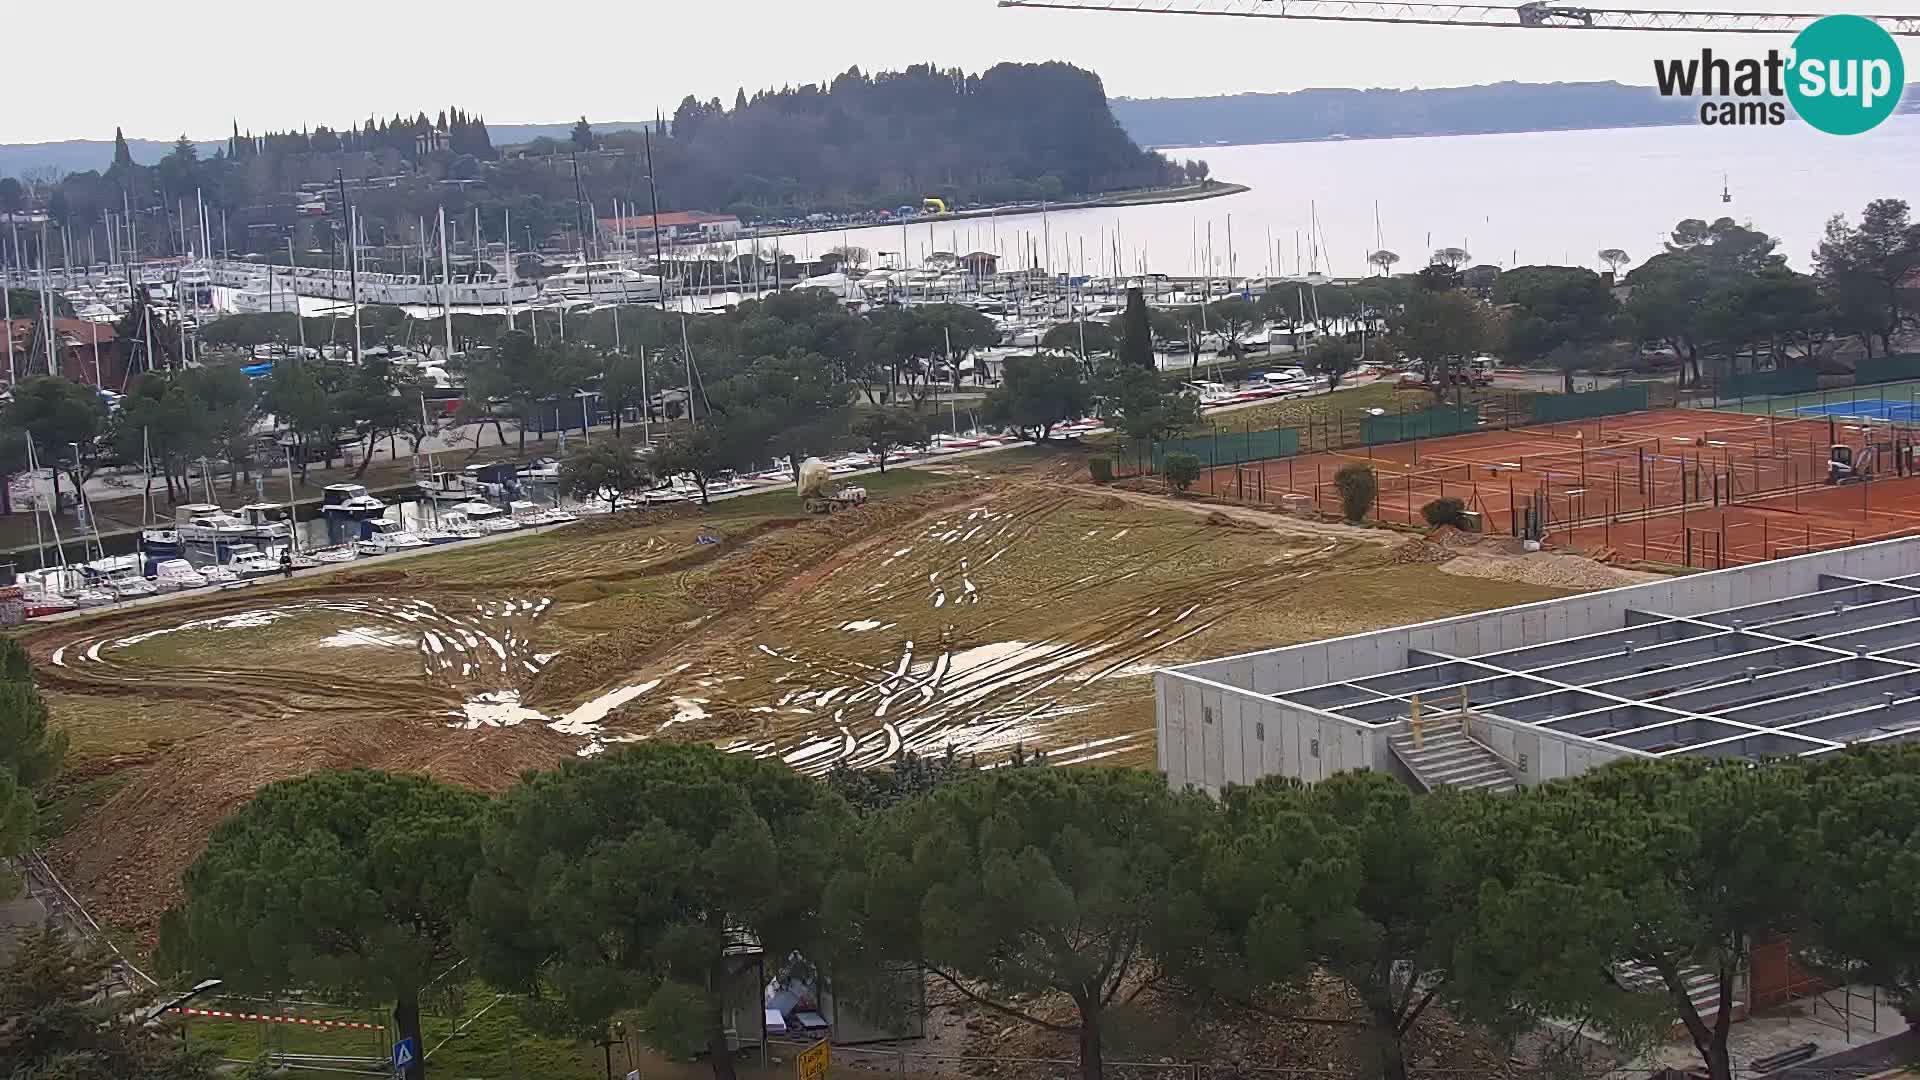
x,y
675,226
85,351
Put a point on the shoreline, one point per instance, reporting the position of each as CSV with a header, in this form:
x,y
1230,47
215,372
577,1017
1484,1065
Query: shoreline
x,y
1174,147
1217,189
1162,148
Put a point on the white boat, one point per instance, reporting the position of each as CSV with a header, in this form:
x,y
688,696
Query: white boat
x,y
351,500
260,296
444,486
383,537
38,603
205,523
498,525
127,585
265,521
542,471
174,575
607,282
218,575
451,526
479,512
120,575
334,555
247,561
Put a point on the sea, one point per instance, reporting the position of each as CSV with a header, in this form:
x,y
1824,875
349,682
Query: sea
x,y
1554,197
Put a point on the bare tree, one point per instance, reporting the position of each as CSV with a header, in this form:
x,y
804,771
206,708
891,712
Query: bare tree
x,y
851,255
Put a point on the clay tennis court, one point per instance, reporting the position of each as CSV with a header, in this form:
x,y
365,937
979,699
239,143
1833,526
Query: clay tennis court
x,y
1683,486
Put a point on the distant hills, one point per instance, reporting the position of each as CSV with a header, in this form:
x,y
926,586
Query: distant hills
x,y
1387,114
1156,122
79,155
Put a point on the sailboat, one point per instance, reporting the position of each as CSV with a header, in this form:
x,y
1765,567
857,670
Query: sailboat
x,y
159,540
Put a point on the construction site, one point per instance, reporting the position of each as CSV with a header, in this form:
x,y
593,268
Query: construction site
x,y
995,607
1009,606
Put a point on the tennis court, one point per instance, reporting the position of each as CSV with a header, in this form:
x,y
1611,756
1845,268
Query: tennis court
x,y
1684,486
1903,412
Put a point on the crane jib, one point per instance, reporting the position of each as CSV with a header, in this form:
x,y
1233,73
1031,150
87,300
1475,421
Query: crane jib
x,y
1537,15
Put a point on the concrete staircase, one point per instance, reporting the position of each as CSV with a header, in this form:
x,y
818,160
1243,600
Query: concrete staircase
x,y
1447,757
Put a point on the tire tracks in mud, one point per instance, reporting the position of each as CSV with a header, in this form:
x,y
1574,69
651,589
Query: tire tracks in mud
x,y
972,697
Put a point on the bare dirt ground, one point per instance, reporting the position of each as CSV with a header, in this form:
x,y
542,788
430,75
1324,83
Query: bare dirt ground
x,y
965,609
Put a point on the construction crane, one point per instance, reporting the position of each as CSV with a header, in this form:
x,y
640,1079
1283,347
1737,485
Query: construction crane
x,y
1536,14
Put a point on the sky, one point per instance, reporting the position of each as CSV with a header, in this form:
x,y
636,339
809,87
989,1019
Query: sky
x,y
213,62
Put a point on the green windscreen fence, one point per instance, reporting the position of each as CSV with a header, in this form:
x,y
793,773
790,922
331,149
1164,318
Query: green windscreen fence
x,y
1880,369
1555,408
1397,427
1231,447
1748,384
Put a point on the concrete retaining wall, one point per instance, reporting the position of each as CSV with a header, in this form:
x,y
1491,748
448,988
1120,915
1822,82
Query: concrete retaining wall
x,y
1228,721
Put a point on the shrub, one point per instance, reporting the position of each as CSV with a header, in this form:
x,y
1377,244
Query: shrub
x,y
1444,511
1357,489
1182,470
1101,469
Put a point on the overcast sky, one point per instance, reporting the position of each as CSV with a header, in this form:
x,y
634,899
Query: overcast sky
x,y
200,67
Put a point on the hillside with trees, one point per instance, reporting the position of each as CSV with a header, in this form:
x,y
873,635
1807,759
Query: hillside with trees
x,y
863,142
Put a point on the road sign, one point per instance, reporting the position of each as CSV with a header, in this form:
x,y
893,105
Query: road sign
x,y
404,1053
813,1061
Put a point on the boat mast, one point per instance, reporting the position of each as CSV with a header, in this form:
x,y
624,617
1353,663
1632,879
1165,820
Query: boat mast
x,y
39,542
446,287
299,321
353,273
146,476
6,315
506,231
293,507
46,298
659,264
353,265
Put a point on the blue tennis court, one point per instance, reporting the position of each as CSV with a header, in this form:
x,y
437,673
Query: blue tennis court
x,y
1905,412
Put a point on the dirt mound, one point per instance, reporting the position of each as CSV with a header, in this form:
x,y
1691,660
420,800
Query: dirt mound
x,y
127,857
1449,536
1419,552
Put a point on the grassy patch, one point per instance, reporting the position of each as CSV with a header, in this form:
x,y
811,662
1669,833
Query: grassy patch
x,y
1336,604
496,1041
117,724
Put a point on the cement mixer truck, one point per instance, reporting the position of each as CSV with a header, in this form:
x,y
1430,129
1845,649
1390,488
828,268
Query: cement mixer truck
x,y
818,493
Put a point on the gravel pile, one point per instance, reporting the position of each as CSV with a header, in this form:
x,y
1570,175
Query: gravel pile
x,y
1543,568
1420,552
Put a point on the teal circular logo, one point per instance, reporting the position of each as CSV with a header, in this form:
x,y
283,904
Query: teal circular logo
x,y
1847,74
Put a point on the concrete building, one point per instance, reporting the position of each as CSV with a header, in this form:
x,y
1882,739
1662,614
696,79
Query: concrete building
x,y
676,227
1795,656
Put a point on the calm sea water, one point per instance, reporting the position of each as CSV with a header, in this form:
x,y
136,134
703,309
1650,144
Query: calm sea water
x,y
1551,197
